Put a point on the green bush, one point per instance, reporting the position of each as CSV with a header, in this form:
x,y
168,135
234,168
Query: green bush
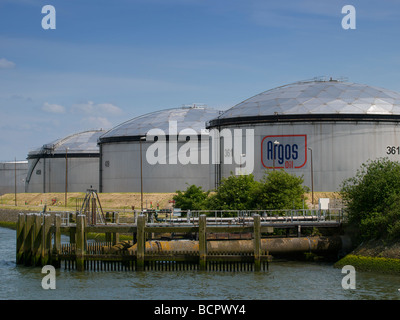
x,y
280,190
276,190
235,193
372,197
194,198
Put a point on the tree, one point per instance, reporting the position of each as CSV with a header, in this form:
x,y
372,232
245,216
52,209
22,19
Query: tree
x,y
372,197
192,199
281,190
234,193
277,190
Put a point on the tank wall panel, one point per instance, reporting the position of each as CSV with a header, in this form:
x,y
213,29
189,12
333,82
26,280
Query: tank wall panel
x,y
49,175
8,173
121,170
338,149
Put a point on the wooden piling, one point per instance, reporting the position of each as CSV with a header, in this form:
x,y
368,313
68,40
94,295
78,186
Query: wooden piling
x,y
28,241
257,242
115,235
57,240
46,240
203,242
20,234
37,240
141,242
80,242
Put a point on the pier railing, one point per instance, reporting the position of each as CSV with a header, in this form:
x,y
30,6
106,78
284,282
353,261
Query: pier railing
x,y
220,216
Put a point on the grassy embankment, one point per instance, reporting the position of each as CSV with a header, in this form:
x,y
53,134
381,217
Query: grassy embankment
x,y
374,255
35,202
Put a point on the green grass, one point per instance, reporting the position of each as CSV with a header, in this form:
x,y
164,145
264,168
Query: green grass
x,y
7,224
375,264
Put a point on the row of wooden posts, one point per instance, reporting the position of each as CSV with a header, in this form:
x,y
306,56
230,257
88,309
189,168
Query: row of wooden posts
x,y
39,243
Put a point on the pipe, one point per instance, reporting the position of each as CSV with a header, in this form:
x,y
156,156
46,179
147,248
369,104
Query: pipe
x,y
275,246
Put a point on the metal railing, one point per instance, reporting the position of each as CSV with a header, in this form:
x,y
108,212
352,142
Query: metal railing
x,y
220,216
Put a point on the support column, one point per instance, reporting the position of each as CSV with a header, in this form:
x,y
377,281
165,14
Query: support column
x,y
141,243
108,234
57,240
115,235
46,240
20,234
203,242
28,243
257,242
37,240
80,242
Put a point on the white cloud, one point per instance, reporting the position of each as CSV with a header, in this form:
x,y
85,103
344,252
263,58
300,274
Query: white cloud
x,y
96,109
97,122
109,109
6,64
53,108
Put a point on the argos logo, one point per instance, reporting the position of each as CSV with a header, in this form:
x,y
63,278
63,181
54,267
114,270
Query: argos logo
x,y
284,151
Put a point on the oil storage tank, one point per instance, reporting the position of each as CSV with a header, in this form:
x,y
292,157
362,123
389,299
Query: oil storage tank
x,y
321,129
12,176
70,163
161,151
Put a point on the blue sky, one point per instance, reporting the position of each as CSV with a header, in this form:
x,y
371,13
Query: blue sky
x,y
109,61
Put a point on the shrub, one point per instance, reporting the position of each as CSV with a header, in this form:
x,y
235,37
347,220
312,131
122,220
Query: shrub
x,y
280,190
235,193
193,198
372,197
277,190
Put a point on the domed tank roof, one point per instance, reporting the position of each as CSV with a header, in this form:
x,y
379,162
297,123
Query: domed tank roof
x,y
82,143
316,99
193,117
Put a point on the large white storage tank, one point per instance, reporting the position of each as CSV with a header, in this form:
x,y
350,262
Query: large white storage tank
x,y
125,169
70,163
333,124
12,176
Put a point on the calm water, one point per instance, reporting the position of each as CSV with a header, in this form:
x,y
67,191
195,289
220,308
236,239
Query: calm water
x,y
285,280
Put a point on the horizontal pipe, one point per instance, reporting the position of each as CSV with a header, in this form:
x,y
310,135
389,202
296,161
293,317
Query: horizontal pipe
x,y
272,245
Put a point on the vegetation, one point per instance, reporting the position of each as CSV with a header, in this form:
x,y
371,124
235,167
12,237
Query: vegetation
x,y
193,198
276,190
234,193
375,264
373,198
